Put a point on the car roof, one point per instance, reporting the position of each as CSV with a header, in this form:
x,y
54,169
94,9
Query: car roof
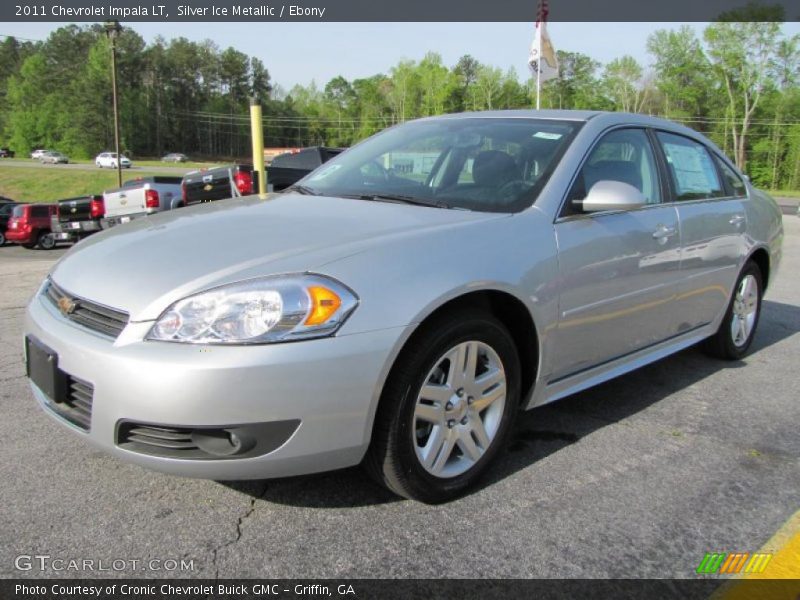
x,y
598,117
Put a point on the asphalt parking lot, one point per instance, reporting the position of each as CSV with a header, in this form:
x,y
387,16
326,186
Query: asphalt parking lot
x,y
639,477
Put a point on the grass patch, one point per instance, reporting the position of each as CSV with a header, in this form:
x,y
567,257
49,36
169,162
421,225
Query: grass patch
x,y
784,193
36,184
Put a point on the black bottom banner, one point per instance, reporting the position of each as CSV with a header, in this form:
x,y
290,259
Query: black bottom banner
x,y
361,589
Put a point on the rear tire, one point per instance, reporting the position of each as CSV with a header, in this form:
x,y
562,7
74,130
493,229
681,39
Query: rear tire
x,y
46,241
439,427
2,239
737,330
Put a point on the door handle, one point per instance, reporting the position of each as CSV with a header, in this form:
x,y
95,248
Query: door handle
x,y
736,220
663,232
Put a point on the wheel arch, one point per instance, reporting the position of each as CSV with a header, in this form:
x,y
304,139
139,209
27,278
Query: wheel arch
x,y
503,305
760,256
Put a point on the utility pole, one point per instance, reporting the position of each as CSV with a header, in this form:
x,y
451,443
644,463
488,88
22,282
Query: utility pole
x,y
113,29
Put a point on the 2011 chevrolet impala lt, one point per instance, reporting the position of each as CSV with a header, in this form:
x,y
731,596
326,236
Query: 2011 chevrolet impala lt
x,y
400,304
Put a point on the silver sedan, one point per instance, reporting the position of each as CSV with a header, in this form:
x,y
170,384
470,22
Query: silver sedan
x,y
399,305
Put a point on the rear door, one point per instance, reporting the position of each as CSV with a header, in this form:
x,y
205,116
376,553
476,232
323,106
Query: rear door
x,y
619,270
710,200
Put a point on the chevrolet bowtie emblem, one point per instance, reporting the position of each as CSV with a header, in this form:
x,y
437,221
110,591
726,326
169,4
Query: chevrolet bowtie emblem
x,y
66,306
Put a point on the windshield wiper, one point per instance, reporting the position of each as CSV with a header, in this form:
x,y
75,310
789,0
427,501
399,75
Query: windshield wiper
x,y
303,189
400,198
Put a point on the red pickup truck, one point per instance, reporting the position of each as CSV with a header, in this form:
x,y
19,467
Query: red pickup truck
x,y
29,225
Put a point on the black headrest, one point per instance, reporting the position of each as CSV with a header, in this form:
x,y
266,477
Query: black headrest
x,y
614,170
493,168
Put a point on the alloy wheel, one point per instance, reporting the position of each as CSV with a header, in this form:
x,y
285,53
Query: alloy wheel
x,y
459,409
745,310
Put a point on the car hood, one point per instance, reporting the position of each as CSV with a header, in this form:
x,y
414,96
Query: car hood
x,y
144,266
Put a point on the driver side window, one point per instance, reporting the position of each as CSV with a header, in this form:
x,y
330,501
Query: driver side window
x,y
622,155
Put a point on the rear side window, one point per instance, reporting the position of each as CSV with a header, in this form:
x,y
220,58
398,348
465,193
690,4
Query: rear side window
x,y
691,168
40,211
734,182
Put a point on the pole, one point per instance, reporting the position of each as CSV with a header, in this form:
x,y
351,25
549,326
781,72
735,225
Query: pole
x,y
538,63
116,107
257,129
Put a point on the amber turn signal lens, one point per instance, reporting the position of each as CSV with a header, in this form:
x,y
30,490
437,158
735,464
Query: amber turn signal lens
x,y
324,303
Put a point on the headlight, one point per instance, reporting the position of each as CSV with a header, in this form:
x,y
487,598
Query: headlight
x,y
258,311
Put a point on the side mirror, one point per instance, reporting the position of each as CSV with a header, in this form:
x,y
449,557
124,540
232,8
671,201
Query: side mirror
x,y
612,195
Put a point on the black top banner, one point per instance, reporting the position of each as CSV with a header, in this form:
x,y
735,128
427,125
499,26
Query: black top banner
x,y
395,10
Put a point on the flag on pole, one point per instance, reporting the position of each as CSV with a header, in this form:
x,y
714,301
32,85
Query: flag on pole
x,y
542,60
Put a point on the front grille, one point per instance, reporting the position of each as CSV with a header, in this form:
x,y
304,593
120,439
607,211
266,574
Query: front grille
x,y
77,408
89,314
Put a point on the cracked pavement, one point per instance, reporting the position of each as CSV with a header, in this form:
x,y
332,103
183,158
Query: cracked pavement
x,y
638,477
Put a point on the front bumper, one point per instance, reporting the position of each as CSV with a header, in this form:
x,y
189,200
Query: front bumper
x,y
330,385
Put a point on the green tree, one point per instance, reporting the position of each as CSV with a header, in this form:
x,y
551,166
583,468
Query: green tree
x,y
576,86
625,85
742,53
682,71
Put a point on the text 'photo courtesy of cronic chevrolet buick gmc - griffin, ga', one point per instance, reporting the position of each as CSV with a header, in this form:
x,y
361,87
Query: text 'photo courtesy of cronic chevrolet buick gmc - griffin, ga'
x,y
402,303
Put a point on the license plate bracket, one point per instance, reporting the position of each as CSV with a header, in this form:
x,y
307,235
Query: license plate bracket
x,y
41,364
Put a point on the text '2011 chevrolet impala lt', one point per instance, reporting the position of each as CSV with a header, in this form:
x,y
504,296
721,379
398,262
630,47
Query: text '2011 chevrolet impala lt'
x,y
399,305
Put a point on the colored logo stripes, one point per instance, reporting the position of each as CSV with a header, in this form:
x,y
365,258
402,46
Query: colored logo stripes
x,y
725,563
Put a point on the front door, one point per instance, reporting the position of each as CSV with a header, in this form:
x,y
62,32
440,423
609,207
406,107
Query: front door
x,y
619,270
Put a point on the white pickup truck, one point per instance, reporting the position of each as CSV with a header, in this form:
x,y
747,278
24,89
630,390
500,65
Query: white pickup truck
x,y
141,197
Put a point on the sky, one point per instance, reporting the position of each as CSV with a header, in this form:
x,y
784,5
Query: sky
x,y
301,52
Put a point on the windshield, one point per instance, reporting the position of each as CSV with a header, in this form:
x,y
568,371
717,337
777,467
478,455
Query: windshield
x,y
483,164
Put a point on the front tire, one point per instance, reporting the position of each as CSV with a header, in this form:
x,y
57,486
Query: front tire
x,y
447,408
737,330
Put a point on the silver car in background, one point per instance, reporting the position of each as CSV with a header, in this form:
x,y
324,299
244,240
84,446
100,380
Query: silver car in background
x,y
400,304
53,158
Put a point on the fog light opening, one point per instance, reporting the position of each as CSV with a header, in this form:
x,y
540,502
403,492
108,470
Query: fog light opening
x,y
222,442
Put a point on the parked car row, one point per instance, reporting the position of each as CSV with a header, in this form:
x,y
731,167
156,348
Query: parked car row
x,y
102,160
72,219
228,181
